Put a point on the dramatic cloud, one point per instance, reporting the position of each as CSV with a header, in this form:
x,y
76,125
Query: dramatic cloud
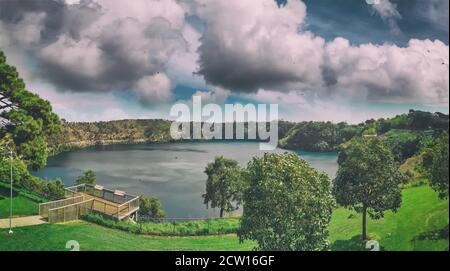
x,y
256,45
154,89
252,44
97,45
251,48
419,71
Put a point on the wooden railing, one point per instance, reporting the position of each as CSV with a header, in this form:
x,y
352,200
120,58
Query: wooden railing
x,y
105,201
45,207
106,194
127,207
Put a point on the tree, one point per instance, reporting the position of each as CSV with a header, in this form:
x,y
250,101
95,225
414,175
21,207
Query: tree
x,y
287,204
53,190
368,180
437,168
224,185
88,177
19,173
31,118
150,208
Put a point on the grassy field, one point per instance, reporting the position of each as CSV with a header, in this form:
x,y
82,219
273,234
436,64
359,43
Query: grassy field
x,y
22,206
418,225
94,237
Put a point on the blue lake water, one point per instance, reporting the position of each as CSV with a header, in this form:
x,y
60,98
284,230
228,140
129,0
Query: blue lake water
x,y
172,172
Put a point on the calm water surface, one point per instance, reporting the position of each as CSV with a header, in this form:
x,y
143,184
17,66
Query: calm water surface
x,y
172,172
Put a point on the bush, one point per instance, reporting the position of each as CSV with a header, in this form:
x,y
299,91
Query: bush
x,y
150,208
88,177
30,186
182,228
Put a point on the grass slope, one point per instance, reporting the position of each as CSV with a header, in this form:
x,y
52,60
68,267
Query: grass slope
x,y
94,237
22,206
417,225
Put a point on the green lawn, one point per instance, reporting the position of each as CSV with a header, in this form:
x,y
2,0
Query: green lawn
x,y
94,237
416,226
22,206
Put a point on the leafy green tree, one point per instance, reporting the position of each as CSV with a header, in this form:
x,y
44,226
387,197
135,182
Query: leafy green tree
x,y
53,190
88,177
150,208
368,180
20,171
287,204
32,119
437,166
403,144
224,185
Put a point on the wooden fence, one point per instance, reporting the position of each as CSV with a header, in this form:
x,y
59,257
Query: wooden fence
x,y
70,212
45,207
85,198
75,210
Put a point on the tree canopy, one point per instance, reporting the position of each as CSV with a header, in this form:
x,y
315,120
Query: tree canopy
x,y
150,208
368,179
437,167
88,177
30,121
287,204
224,185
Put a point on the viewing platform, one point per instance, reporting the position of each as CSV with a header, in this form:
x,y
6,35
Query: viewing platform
x,y
86,198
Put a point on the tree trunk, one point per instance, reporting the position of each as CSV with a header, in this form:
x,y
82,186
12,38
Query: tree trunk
x,y
364,222
221,212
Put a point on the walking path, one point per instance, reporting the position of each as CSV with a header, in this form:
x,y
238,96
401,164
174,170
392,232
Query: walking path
x,y
21,221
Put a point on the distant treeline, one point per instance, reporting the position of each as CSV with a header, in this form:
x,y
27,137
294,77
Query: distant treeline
x,y
405,133
406,128
75,135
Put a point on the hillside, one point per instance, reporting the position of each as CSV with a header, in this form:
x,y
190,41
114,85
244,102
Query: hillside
x,y
406,133
74,135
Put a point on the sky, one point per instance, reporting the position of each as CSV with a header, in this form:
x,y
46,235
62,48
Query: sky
x,y
327,60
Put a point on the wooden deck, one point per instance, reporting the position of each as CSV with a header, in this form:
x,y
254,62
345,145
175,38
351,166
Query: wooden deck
x,y
116,210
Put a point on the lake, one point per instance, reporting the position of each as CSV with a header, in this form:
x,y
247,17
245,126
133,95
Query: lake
x,y
172,172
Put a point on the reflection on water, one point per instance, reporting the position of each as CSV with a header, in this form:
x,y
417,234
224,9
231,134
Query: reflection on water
x,y
172,172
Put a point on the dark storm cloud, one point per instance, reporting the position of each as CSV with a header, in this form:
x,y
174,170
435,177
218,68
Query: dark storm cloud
x,y
252,45
232,69
258,45
60,18
339,48
123,53
86,47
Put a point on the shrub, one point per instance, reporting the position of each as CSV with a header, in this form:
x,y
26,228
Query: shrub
x,y
181,228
